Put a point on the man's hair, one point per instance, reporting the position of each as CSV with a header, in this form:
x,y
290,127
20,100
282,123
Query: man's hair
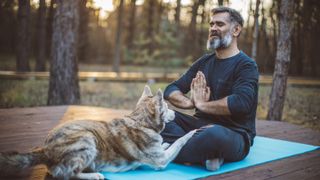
x,y
234,15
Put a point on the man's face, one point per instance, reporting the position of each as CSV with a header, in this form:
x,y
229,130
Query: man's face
x,y
220,35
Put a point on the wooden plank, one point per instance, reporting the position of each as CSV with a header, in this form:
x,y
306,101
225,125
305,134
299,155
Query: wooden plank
x,y
24,128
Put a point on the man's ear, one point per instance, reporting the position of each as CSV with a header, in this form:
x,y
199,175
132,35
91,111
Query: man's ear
x,y
146,92
236,30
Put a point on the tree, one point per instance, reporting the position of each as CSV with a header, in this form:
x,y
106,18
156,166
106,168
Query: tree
x,y
23,35
192,36
150,25
256,31
116,61
41,50
278,92
64,85
49,26
132,23
83,30
177,16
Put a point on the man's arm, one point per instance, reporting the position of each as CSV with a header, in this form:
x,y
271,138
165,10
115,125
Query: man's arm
x,y
218,107
178,99
239,102
201,95
175,91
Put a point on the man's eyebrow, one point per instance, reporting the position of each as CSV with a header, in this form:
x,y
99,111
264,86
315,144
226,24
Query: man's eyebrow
x,y
212,22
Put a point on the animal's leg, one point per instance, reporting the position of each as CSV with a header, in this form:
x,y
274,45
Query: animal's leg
x,y
165,145
172,151
121,168
91,176
73,163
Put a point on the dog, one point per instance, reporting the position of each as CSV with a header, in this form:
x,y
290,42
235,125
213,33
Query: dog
x,y
81,148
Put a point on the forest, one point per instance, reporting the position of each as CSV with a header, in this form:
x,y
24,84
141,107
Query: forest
x,y
163,33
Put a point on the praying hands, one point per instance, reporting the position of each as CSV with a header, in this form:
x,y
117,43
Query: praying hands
x,y
200,92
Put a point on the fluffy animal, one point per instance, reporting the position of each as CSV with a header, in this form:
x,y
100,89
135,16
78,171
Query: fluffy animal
x,y
81,148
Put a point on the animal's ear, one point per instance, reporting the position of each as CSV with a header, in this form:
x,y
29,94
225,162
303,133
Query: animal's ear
x,y
158,102
146,92
159,96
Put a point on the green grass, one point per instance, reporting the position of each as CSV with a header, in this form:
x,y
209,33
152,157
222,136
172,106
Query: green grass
x,y
302,105
8,63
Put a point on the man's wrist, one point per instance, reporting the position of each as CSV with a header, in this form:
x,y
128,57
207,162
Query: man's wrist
x,y
199,105
189,104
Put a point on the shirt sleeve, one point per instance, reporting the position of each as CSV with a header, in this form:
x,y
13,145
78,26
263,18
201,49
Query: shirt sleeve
x,y
245,89
184,82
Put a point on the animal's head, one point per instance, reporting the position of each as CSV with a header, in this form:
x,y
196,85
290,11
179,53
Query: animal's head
x,y
154,108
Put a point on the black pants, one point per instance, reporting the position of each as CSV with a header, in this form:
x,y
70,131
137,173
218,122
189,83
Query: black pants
x,y
209,142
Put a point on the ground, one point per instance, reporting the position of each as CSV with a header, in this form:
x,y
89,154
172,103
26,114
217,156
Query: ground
x,y
302,104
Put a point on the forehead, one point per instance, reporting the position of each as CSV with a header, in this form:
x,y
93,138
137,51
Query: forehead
x,y
222,17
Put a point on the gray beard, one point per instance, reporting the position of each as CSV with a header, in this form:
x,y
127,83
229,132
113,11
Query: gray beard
x,y
217,43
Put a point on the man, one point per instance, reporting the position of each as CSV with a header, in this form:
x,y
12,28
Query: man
x,y
224,90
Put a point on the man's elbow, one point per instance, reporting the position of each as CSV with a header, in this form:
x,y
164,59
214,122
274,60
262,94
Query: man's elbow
x,y
238,105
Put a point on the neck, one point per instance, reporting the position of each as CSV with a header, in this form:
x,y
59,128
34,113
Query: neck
x,y
223,53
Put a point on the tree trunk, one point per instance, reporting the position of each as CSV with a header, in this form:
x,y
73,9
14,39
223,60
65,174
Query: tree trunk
x,y
255,32
83,30
279,84
64,85
150,28
202,34
177,16
158,19
132,25
192,31
41,50
116,61
248,28
23,34
273,16
49,26
266,40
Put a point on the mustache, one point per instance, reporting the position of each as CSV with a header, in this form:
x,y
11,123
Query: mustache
x,y
214,33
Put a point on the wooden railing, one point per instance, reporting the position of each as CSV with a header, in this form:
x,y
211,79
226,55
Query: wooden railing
x,y
141,77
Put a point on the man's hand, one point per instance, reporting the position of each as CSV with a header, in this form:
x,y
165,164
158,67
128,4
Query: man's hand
x,y
200,93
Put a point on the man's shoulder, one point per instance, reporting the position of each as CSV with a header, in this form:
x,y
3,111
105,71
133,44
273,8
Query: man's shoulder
x,y
245,59
203,59
207,56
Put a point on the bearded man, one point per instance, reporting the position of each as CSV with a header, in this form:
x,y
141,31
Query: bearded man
x,y
223,89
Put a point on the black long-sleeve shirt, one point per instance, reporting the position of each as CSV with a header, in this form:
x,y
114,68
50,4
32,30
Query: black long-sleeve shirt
x,y
236,77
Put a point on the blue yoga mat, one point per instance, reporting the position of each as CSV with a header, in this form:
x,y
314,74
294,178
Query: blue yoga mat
x,y
264,150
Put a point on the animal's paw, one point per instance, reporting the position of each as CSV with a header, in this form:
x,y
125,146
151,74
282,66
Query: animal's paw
x,y
99,176
91,176
165,145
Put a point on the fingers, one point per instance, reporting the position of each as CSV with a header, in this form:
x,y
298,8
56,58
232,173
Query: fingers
x,y
201,79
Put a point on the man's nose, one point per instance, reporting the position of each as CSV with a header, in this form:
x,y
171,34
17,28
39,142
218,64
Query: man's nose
x,y
213,28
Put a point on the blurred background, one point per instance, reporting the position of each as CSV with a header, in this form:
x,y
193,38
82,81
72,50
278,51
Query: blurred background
x,y
164,36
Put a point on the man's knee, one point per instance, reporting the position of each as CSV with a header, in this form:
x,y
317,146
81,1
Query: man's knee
x,y
216,136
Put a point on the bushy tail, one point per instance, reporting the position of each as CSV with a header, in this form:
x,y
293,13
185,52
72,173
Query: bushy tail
x,y
12,163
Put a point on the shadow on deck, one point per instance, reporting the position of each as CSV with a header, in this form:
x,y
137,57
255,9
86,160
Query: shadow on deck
x,y
24,128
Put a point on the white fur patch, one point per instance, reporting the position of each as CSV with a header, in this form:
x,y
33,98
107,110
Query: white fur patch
x,y
169,115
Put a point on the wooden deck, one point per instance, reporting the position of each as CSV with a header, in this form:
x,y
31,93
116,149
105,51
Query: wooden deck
x,y
24,128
